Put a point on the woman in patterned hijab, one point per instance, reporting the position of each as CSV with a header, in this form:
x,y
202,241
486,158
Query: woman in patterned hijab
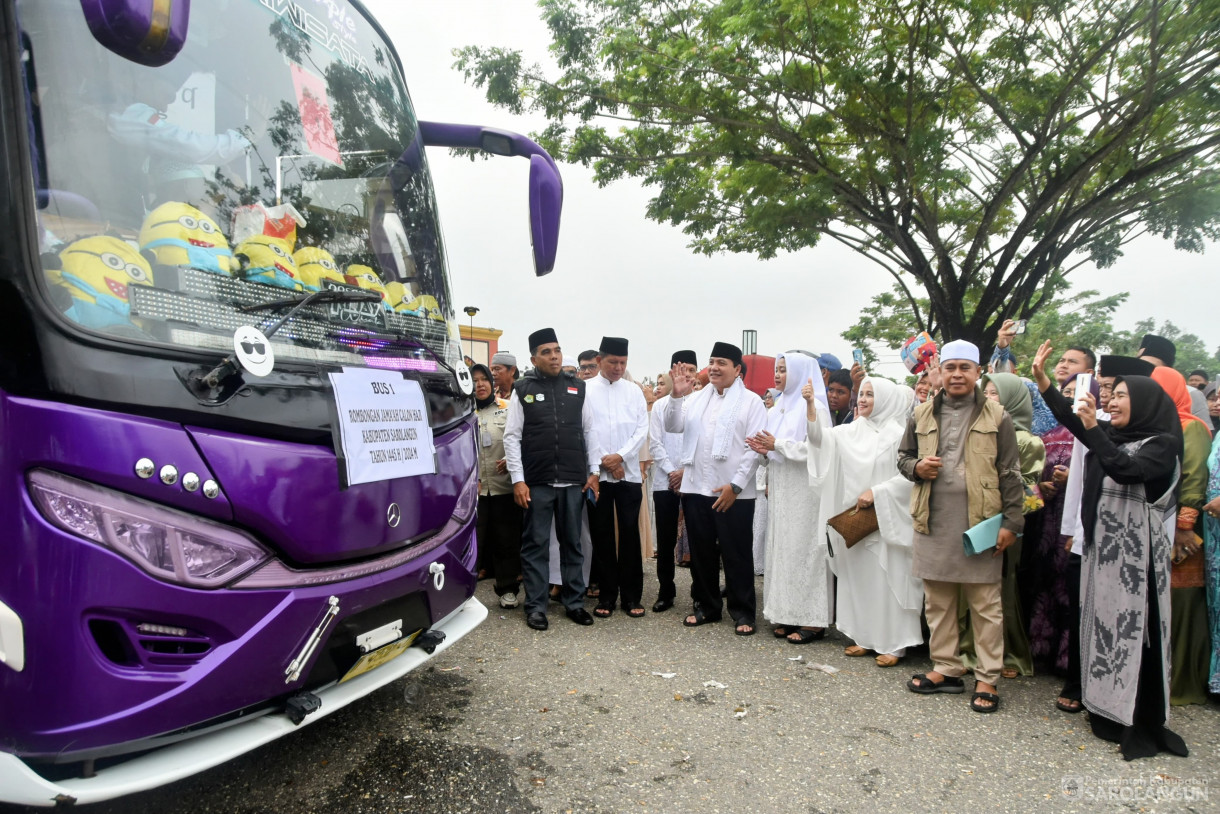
x,y
1130,476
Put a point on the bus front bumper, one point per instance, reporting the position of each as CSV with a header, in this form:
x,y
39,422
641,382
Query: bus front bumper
x,y
22,785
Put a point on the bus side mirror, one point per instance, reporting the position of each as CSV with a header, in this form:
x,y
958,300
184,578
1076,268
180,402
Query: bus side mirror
x,y
150,32
546,204
545,184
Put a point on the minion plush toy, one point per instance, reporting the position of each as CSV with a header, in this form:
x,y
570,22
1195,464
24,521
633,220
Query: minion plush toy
x,y
404,300
366,278
268,260
97,272
180,235
314,265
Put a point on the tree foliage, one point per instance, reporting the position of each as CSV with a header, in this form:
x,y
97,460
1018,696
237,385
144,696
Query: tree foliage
x,y
978,150
1192,353
1083,319
1069,318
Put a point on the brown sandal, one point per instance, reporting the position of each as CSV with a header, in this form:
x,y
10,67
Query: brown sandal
x,y
887,660
855,650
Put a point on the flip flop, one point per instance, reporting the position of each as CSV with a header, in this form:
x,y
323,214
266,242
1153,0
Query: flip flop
x,y
854,651
699,617
751,629
806,636
923,685
984,696
1069,705
887,660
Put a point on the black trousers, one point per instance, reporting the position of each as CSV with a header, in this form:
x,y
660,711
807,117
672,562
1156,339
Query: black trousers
x,y
563,505
499,533
715,535
667,504
621,566
1071,683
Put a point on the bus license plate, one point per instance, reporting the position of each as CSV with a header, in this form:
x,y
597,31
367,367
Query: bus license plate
x,y
380,656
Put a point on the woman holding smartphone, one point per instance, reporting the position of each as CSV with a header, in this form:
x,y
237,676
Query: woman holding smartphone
x,y
1131,473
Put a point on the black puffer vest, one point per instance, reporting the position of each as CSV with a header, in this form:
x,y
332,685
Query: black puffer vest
x,y
553,437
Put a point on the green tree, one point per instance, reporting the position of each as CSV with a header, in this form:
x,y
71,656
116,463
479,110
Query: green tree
x,y
1069,318
1191,350
975,149
1083,319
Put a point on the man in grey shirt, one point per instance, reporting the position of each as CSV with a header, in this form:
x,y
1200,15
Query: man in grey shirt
x,y
960,449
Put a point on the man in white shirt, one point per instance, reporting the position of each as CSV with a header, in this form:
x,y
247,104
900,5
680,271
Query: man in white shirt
x,y
546,440
718,484
666,449
620,425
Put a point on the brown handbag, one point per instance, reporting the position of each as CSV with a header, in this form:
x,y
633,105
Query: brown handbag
x,y
854,524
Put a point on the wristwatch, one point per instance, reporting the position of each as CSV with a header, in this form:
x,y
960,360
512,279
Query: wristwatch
x,y
736,488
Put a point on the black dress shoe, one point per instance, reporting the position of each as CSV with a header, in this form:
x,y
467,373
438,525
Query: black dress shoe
x,y
580,616
536,620
662,605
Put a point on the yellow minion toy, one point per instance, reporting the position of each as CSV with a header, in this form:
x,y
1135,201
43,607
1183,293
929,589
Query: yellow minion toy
x,y
97,272
366,278
180,235
315,265
268,260
403,300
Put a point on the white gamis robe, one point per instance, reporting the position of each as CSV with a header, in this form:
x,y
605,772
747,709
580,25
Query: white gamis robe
x,y
879,602
798,590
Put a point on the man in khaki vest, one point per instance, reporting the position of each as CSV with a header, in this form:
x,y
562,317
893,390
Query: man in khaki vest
x,y
960,449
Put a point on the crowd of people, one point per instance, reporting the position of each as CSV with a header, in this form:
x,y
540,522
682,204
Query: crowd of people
x,y
1067,522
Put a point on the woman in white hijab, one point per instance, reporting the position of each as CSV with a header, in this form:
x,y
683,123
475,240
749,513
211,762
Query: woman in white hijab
x,y
798,592
878,600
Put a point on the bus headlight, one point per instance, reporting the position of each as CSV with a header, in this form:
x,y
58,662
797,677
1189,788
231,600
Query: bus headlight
x,y
468,498
168,544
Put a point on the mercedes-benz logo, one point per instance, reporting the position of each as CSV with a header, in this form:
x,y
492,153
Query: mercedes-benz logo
x,y
393,515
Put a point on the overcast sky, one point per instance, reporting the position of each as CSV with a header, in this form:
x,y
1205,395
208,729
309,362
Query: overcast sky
x,y
623,275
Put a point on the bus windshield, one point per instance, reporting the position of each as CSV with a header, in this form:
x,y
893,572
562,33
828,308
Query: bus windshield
x,y
276,155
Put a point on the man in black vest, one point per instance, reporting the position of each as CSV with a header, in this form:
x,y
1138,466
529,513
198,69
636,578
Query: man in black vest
x,y
546,440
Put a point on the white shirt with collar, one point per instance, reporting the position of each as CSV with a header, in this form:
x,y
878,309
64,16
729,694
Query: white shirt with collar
x,y
620,424
665,446
516,423
706,475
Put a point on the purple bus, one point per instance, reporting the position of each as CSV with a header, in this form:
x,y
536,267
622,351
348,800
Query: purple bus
x,y
235,426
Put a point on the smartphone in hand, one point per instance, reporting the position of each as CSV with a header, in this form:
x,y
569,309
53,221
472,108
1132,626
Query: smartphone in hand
x,y
1084,382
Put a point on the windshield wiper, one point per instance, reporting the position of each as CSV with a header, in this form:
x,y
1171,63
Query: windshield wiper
x,y
325,295
419,343
214,386
297,303
219,384
340,295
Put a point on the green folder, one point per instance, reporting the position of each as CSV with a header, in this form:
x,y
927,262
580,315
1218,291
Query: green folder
x,y
980,537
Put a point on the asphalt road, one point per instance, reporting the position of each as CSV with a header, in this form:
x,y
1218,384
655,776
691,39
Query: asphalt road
x,y
624,717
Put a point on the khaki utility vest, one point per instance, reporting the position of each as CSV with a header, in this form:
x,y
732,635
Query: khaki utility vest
x,y
982,479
